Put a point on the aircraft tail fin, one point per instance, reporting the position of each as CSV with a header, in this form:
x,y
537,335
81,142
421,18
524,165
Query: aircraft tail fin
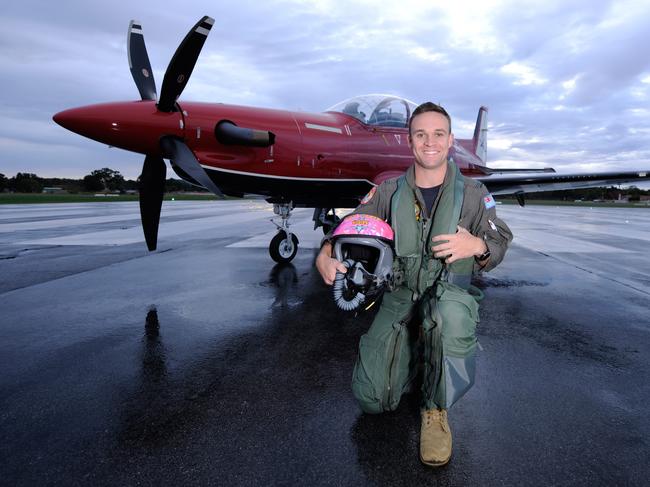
x,y
480,134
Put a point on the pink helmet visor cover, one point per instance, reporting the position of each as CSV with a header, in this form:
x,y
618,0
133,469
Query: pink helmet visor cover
x,y
366,225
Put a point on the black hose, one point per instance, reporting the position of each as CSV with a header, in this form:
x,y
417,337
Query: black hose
x,y
340,286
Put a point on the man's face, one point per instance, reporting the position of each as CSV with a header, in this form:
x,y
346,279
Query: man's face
x,y
430,140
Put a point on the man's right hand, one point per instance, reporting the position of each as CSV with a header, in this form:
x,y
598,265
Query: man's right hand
x,y
327,266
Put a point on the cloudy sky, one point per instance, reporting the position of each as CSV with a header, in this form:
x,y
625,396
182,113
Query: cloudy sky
x,y
567,82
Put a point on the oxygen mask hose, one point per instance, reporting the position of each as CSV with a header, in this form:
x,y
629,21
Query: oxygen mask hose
x,y
340,290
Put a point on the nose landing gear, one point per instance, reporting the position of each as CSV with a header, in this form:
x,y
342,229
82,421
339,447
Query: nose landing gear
x,y
284,246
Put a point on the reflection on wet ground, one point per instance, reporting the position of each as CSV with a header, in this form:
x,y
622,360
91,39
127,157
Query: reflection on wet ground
x,y
484,281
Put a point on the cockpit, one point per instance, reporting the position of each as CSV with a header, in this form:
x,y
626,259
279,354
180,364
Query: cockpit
x,y
377,110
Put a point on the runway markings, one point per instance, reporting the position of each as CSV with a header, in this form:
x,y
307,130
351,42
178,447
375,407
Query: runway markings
x,y
133,234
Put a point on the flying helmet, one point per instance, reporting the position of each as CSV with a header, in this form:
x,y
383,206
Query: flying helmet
x,y
363,243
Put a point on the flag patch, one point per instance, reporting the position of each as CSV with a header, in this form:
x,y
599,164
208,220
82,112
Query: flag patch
x,y
369,196
489,201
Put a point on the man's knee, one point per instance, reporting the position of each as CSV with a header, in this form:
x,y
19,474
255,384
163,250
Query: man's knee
x,y
368,399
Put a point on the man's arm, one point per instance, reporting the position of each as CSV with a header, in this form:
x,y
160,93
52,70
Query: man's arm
x,y
459,245
480,230
327,265
489,227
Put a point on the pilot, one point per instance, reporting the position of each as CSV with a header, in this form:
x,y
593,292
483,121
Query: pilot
x,y
352,108
446,229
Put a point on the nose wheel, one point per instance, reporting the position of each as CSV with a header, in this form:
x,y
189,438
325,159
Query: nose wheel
x,y
284,246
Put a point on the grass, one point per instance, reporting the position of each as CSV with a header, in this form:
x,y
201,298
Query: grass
x,y
24,198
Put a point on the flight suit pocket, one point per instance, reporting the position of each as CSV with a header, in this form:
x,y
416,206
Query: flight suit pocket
x,y
368,377
383,370
457,314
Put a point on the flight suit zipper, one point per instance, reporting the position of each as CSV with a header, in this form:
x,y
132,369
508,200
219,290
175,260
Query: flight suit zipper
x,y
424,258
394,363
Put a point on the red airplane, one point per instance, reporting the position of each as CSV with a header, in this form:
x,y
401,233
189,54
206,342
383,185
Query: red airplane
x,y
294,159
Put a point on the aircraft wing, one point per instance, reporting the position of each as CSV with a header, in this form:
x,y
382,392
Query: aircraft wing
x,y
512,183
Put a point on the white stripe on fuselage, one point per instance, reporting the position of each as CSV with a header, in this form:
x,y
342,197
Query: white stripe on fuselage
x,y
270,176
326,128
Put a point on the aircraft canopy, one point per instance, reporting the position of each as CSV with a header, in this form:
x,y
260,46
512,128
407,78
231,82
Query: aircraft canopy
x,y
378,110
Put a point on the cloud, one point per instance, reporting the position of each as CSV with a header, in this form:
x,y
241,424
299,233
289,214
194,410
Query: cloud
x,y
565,81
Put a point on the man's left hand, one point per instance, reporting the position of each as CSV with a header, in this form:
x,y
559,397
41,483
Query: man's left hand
x,y
456,246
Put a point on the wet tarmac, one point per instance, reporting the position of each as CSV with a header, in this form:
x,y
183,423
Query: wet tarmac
x,y
204,363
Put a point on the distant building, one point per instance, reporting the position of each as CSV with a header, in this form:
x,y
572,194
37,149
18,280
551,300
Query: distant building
x,y
54,190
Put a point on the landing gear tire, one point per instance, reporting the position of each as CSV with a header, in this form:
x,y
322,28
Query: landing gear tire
x,y
281,249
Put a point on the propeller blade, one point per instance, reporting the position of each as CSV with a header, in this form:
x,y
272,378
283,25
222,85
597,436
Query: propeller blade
x,y
182,63
139,62
152,188
184,158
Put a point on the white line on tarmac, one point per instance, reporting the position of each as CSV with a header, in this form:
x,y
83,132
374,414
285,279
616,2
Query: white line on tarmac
x,y
134,234
304,230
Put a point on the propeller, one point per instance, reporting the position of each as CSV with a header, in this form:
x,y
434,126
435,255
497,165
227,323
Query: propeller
x,y
152,179
182,63
152,189
139,62
183,157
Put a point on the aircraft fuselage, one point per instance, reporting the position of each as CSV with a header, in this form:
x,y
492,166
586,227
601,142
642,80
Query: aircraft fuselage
x,y
317,159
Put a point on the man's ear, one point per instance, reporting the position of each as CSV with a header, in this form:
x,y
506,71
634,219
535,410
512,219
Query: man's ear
x,y
451,140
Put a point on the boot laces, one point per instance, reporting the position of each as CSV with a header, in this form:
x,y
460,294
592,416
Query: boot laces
x,y
439,415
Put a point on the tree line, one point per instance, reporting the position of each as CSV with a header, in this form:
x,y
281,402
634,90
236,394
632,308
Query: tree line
x,y
99,180
106,179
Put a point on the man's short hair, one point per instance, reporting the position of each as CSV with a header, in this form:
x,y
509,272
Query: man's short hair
x,y
429,107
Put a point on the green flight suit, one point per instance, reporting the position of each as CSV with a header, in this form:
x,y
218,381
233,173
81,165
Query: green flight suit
x,y
433,295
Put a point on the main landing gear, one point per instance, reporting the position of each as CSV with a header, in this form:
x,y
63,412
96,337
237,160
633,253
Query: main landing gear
x,y
326,218
284,245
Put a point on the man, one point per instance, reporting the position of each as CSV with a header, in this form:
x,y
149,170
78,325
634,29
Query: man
x,y
446,228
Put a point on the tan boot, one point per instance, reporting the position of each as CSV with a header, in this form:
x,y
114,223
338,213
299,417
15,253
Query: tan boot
x,y
435,438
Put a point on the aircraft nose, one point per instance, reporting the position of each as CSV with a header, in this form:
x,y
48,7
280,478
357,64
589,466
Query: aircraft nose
x,y
75,119
135,126
63,118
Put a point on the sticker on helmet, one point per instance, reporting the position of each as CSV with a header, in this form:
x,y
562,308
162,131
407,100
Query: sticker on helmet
x,y
369,196
489,201
361,224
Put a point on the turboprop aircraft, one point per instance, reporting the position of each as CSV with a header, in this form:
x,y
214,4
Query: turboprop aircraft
x,y
294,159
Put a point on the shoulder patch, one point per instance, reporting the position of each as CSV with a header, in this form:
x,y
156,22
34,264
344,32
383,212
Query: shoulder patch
x,y
369,196
489,202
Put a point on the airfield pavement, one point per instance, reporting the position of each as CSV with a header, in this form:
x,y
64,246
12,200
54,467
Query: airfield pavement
x,y
203,363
